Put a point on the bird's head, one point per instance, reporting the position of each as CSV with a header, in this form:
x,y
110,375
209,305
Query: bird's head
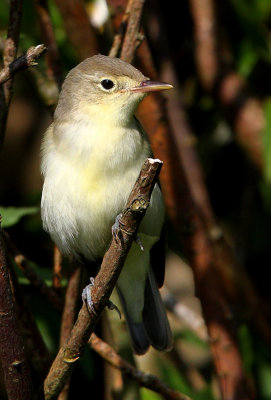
x,y
105,87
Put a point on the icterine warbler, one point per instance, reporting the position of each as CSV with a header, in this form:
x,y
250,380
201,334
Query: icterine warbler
x,y
91,157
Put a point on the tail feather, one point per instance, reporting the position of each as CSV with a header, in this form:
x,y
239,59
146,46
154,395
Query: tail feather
x,y
154,316
154,329
138,334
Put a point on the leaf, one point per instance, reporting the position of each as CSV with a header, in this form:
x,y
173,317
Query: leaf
x,y
12,215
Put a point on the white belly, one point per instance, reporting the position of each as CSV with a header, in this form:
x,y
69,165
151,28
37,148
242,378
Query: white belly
x,y
81,201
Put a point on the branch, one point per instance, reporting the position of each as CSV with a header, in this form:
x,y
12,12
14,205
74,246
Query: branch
x,y
105,280
25,61
35,348
148,381
118,38
10,51
25,266
132,37
69,314
53,60
205,41
57,274
15,367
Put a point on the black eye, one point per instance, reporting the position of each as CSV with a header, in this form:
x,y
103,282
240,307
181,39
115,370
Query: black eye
x,y
107,84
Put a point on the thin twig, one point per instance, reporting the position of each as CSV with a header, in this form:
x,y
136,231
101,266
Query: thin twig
x,y
21,63
10,52
14,364
118,38
69,313
26,267
54,69
72,296
205,41
131,38
148,381
105,280
57,269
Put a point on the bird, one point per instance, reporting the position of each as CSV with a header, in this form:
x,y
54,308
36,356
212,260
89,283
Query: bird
x,y
91,156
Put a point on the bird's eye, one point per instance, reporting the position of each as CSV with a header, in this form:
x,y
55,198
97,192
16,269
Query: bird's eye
x,y
107,84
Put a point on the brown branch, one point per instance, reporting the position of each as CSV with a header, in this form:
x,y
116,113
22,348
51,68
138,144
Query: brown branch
x,y
21,63
35,347
105,280
69,313
57,270
148,381
26,267
10,52
121,28
71,302
54,69
132,37
77,25
205,41
14,363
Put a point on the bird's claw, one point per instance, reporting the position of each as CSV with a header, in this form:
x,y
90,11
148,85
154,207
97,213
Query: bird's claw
x,y
113,306
116,227
86,296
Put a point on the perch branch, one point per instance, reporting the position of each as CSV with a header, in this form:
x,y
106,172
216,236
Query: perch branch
x,y
25,61
105,280
143,379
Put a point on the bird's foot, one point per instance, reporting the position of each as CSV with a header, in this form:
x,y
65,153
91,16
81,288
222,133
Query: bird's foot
x,y
116,227
86,296
113,306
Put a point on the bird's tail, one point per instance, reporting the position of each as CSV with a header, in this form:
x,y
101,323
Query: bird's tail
x,y
154,329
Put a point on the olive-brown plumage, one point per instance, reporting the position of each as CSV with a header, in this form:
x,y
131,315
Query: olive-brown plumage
x,y
91,156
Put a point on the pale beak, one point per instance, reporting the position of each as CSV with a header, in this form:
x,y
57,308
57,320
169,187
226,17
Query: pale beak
x,y
149,86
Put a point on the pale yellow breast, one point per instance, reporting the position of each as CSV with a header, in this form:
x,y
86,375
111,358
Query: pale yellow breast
x,y
87,184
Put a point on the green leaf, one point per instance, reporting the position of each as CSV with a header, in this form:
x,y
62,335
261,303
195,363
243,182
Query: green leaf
x,y
12,215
